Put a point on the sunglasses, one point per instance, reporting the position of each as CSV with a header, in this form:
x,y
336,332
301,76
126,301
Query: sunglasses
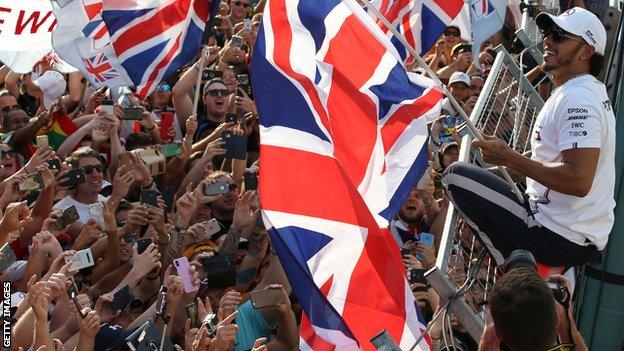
x,y
10,108
240,3
91,168
451,33
558,35
216,92
163,88
11,154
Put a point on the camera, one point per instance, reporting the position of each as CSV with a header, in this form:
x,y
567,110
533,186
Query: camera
x,y
520,258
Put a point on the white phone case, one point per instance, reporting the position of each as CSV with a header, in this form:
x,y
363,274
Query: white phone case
x,y
96,211
81,259
212,227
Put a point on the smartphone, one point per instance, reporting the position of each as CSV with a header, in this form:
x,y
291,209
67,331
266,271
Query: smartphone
x,y
219,187
54,165
171,150
142,245
243,83
148,337
70,215
231,117
247,23
193,314
168,194
266,298
78,307
74,177
384,342
72,290
132,114
235,145
184,271
166,123
220,271
121,299
251,181
108,106
42,141
81,259
149,197
7,257
209,74
33,181
96,211
237,40
427,239
212,227
405,252
417,275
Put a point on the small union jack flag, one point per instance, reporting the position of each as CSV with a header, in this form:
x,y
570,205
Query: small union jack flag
x,y
99,68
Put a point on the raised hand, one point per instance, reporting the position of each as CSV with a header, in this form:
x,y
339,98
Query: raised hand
x,y
226,333
243,215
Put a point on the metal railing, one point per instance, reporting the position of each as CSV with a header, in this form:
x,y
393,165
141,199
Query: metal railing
x,y
529,34
507,108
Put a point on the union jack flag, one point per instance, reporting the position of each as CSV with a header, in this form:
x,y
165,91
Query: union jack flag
x,y
420,21
96,28
151,39
343,139
100,68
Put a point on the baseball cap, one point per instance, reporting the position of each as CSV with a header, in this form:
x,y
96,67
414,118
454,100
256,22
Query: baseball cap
x,y
459,77
52,85
580,22
14,272
446,145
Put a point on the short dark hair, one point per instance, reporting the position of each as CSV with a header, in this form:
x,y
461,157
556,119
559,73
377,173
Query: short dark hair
x,y
523,310
74,158
595,65
138,140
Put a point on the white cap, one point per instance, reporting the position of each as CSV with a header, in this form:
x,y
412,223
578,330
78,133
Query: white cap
x,y
458,77
580,22
52,84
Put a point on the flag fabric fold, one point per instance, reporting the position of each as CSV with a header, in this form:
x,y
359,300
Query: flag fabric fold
x,y
129,42
487,18
343,139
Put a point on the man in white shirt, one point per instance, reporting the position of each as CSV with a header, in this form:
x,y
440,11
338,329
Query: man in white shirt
x,y
570,174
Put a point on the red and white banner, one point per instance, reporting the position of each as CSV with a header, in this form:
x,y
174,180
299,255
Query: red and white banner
x,y
25,33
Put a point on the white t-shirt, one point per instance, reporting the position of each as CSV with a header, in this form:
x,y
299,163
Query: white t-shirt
x,y
83,209
578,114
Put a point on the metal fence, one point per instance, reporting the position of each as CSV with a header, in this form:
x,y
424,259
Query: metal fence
x,y
507,108
529,34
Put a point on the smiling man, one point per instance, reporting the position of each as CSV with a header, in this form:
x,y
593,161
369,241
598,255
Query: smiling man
x,y
571,172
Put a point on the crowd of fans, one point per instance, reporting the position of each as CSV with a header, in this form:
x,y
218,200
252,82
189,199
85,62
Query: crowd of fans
x,y
115,155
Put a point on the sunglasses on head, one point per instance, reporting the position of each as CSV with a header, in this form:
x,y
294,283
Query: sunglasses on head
x,y
89,169
10,108
163,88
240,3
216,92
558,35
451,33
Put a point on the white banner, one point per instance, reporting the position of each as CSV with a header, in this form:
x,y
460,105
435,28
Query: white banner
x,y
25,32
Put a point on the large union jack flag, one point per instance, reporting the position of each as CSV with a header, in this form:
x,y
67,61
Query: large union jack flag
x,y
95,28
343,139
420,21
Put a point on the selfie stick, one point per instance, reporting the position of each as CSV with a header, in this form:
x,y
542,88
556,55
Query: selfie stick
x,y
160,312
442,87
202,63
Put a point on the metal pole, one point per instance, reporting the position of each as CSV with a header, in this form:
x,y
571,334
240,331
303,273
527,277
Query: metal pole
x,y
442,87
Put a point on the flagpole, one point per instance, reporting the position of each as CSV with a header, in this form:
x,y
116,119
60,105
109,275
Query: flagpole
x,y
202,63
442,87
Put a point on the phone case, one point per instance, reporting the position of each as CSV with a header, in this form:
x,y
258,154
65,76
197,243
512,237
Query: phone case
x,y
217,188
70,215
54,164
121,299
96,211
150,197
170,150
251,181
212,227
235,145
231,117
81,259
42,140
427,239
168,194
265,298
75,177
166,122
142,244
193,314
184,271
148,338
33,181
